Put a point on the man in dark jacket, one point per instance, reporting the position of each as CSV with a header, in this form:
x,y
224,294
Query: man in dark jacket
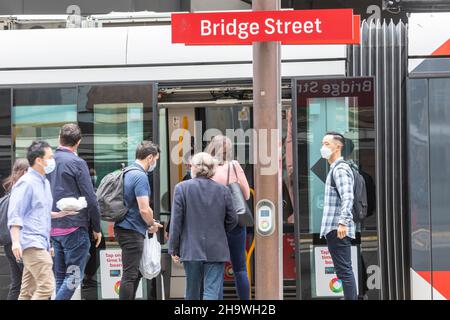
x,y
69,234
202,213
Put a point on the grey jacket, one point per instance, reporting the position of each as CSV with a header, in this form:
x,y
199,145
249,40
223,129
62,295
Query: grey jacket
x,y
202,213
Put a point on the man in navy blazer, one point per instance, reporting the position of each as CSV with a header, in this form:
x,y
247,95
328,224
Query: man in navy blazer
x,y
69,234
202,213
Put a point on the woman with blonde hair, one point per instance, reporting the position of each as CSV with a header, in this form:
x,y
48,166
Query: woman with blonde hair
x,y
230,171
20,167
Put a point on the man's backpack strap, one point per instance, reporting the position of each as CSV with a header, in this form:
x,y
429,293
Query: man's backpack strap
x,y
333,183
130,168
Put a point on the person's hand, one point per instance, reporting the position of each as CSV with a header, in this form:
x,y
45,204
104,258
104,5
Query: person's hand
x,y
70,213
166,236
154,228
16,248
56,215
52,251
176,259
61,214
97,237
342,231
290,219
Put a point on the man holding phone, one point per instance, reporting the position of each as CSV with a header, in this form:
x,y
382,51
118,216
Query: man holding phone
x,y
131,230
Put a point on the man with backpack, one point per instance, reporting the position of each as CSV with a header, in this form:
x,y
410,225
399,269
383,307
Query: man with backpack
x,y
131,229
338,225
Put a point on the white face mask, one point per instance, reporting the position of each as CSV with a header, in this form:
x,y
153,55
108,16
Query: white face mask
x,y
51,165
152,167
325,152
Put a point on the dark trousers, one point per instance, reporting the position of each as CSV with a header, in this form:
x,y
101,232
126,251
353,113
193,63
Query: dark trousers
x,y
93,262
16,271
132,245
340,251
237,240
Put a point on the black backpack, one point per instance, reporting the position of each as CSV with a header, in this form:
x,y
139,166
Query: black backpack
x,y
360,205
5,237
371,192
110,196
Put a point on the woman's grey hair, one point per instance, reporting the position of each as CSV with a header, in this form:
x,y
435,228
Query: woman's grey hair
x,y
221,148
203,165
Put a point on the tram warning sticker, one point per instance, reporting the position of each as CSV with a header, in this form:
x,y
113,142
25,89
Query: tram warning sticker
x,y
244,114
326,282
111,273
176,122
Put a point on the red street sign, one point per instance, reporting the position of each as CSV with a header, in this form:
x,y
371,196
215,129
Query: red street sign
x,y
338,26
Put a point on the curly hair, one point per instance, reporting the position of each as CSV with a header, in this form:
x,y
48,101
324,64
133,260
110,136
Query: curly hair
x,y
203,165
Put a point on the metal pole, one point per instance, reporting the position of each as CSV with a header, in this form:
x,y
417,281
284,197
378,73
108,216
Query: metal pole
x,y
267,121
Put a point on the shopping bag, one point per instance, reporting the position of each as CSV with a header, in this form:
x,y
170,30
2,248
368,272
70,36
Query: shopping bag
x,y
150,265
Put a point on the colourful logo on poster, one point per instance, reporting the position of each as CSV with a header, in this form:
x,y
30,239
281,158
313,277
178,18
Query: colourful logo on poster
x,y
117,287
336,285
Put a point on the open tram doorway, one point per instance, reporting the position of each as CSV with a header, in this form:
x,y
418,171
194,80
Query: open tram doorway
x,y
189,116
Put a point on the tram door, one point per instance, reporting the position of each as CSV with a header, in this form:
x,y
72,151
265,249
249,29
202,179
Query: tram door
x,y
344,105
184,132
177,145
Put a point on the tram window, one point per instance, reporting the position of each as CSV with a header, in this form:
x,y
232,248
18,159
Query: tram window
x,y
39,114
118,128
5,134
113,119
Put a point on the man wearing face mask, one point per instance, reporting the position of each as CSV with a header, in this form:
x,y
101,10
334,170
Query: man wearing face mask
x,y
130,231
70,234
29,221
337,221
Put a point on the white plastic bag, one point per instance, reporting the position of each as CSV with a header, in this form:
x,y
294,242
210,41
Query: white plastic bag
x,y
150,265
71,204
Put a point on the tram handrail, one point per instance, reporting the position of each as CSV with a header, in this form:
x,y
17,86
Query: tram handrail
x,y
250,251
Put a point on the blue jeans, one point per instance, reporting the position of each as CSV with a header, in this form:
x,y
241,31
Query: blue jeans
x,y
71,255
212,273
237,239
340,251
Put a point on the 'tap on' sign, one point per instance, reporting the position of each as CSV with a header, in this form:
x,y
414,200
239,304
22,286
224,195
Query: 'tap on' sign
x,y
338,26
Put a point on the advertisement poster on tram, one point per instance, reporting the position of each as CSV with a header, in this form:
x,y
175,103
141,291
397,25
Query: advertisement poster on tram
x,y
111,273
326,282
